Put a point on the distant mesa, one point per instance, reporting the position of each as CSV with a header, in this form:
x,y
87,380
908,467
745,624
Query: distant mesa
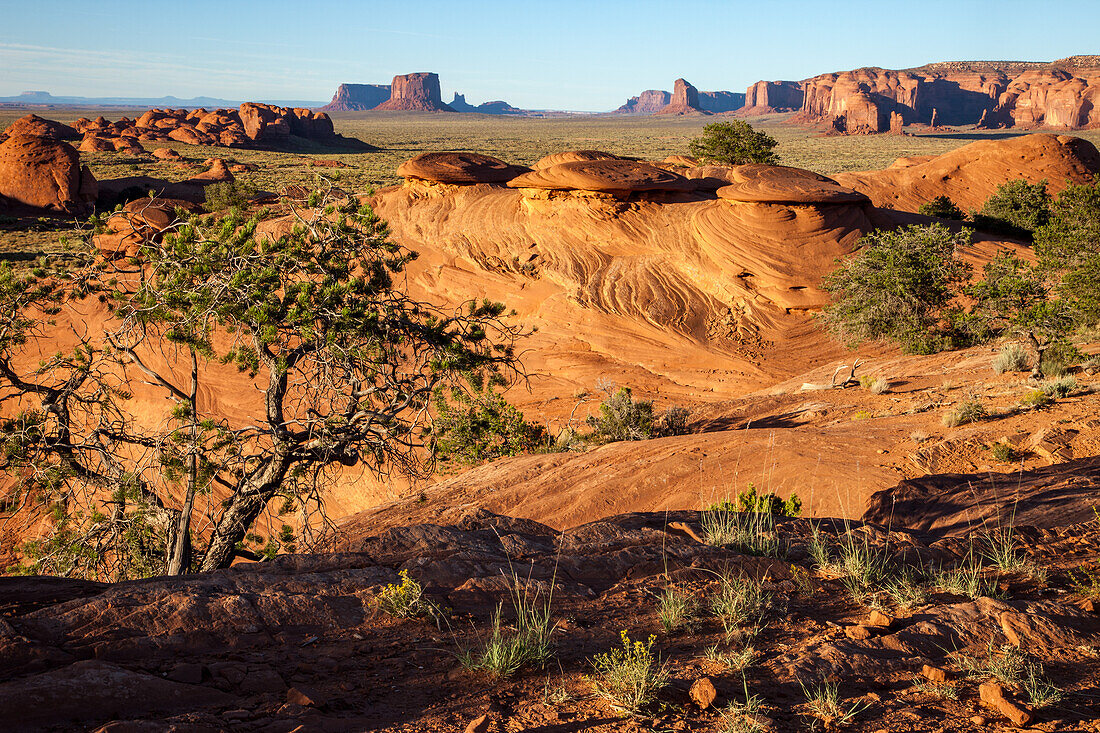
x,y
685,99
415,93
765,97
418,92
357,97
458,168
1063,94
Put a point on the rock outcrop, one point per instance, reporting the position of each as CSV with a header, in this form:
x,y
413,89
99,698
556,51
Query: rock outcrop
x,y
1061,94
718,102
458,168
648,102
970,174
773,96
415,93
619,177
252,125
45,173
35,126
357,97
685,101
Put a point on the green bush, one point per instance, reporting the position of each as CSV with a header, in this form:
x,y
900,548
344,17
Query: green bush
x,y
1017,207
1035,399
228,195
1060,387
630,677
901,285
1070,244
1003,453
479,425
733,143
966,412
621,417
942,207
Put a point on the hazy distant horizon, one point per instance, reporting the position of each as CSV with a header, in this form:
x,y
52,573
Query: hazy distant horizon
x,y
577,56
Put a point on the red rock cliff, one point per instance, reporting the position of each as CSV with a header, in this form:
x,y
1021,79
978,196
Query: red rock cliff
x,y
357,97
415,93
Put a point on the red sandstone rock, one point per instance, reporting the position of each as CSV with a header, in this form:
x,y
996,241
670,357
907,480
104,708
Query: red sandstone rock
x,y
415,93
993,695
94,144
356,97
648,102
702,692
571,156
784,185
36,126
166,154
462,168
685,101
773,96
606,176
45,174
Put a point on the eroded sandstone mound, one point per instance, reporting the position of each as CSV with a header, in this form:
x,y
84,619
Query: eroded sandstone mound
x,y
415,93
970,174
571,156
784,185
45,173
603,176
461,168
35,126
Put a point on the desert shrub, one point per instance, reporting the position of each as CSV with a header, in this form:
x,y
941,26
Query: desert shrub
x,y
1058,358
1086,582
1070,244
965,412
1005,664
906,590
1012,358
1060,387
1040,691
733,143
966,580
621,417
750,532
751,501
879,386
674,421
1035,399
942,207
1016,207
477,425
901,285
402,599
228,195
629,677
1003,453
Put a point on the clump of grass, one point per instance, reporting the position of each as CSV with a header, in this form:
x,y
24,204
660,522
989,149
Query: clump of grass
x,y
675,608
736,661
402,599
740,717
1003,452
966,580
1001,549
968,411
1040,691
528,642
875,385
1012,358
629,677
823,701
1004,664
1062,386
918,436
939,689
861,567
739,601
750,531
906,590
1035,399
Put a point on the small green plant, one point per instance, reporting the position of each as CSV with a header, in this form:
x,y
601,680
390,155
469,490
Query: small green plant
x,y
863,569
741,717
1040,691
945,690
1035,399
478,425
1004,664
966,580
968,411
528,642
629,677
675,608
1003,452
674,421
823,701
942,207
739,601
750,532
228,195
1016,207
621,417
1002,551
751,501
1012,358
402,599
733,660
1086,582
906,590
875,385
1060,387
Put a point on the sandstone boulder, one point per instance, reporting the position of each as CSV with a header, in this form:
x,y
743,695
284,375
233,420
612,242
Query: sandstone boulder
x,y
605,176
571,156
44,174
36,126
783,185
461,168
95,144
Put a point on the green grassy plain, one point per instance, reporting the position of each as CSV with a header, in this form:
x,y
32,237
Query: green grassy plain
x,y
399,136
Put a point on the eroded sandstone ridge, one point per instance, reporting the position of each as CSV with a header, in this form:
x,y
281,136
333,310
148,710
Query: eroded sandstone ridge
x,y
1060,94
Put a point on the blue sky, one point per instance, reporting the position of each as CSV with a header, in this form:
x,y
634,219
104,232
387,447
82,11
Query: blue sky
x,y
546,54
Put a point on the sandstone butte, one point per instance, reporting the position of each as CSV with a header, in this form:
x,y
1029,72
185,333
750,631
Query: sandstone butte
x,y
652,101
415,93
644,275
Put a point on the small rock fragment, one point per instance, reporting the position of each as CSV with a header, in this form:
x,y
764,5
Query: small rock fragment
x,y
934,674
992,694
878,618
295,696
858,632
703,692
479,724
